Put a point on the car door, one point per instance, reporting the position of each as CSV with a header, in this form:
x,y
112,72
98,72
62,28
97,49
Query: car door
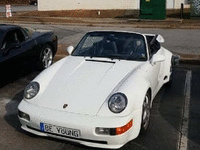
x,y
9,43
27,52
18,50
3,63
154,68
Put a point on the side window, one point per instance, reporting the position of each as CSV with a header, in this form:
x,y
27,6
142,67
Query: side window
x,y
10,39
20,35
25,33
153,48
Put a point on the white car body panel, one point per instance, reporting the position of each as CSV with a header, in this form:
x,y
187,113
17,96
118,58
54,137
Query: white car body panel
x,y
83,87
85,84
75,121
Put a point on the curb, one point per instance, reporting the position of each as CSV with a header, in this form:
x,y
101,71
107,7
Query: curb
x,y
191,62
168,23
107,24
183,58
194,59
150,20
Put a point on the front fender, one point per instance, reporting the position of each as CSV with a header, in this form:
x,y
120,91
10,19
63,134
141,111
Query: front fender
x,y
45,77
167,64
135,87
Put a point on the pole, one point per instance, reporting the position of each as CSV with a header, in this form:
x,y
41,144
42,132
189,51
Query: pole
x,y
181,11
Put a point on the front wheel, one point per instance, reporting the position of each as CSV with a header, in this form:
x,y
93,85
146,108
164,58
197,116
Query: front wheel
x,y
145,114
45,58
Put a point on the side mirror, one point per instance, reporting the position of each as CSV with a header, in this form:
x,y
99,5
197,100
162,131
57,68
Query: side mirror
x,y
157,37
157,58
160,39
70,49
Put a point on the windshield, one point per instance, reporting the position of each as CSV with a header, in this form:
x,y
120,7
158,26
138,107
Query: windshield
x,y
29,31
114,45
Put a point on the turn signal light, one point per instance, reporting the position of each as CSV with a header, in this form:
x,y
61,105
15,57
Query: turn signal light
x,y
125,128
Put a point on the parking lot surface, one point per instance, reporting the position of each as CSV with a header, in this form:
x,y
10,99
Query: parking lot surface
x,y
165,128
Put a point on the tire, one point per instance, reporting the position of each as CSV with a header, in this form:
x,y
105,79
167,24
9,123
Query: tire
x,y
45,58
146,113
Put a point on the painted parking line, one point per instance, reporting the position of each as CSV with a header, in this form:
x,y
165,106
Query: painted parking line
x,y
183,144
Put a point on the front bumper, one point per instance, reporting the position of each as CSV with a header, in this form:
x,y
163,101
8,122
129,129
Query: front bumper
x,y
85,123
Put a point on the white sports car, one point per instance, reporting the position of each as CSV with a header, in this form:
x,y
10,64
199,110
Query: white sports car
x,y
101,94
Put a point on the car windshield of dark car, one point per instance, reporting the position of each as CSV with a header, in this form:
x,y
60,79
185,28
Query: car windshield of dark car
x,y
29,31
114,45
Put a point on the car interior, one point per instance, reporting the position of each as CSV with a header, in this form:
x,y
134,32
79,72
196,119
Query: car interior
x,y
11,38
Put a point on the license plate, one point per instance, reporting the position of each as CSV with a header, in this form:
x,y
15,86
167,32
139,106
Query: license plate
x,y
59,130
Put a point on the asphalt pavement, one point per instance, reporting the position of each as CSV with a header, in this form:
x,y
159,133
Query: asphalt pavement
x,y
166,130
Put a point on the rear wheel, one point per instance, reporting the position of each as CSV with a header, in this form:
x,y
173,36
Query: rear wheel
x,y
145,114
46,57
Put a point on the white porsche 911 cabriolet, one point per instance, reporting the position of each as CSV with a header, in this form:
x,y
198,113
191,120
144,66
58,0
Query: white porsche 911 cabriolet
x,y
101,94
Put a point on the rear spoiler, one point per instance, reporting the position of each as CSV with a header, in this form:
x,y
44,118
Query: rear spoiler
x,y
159,38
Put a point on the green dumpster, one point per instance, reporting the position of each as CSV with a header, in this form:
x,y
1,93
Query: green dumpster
x,y
195,9
153,9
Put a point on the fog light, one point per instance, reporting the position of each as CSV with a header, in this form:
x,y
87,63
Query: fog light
x,y
23,115
104,131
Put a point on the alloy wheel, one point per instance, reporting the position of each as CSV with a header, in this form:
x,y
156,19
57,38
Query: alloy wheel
x,y
47,58
146,113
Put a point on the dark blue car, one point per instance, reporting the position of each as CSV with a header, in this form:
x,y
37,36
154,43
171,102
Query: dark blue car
x,y
21,47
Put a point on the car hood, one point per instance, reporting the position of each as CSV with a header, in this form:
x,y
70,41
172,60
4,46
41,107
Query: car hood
x,y
82,85
35,33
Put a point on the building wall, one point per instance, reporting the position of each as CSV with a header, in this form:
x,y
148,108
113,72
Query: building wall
x,y
87,4
45,5
176,4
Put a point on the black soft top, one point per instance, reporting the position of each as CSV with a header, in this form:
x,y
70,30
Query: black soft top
x,y
6,27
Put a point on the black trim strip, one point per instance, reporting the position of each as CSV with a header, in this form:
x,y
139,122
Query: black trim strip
x,y
86,140
112,62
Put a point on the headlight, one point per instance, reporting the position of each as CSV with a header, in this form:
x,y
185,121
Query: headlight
x,y
31,90
117,102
